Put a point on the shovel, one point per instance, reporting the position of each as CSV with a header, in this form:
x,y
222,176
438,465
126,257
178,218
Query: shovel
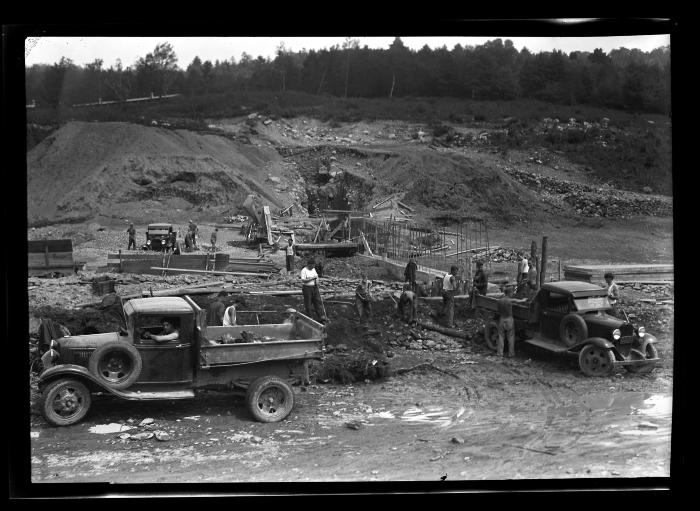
x,y
323,307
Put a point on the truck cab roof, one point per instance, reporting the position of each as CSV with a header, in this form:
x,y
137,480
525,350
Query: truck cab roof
x,y
158,305
574,288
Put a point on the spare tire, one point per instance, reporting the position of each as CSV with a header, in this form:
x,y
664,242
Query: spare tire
x,y
117,364
573,329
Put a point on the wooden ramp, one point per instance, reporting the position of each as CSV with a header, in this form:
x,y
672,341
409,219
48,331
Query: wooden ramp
x,y
45,257
623,272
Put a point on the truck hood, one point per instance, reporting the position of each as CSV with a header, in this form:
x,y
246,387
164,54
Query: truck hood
x,y
87,341
604,320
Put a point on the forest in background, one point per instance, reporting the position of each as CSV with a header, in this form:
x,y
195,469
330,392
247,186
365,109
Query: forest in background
x,y
626,79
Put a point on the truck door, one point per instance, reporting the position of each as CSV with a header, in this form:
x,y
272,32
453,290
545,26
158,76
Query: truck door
x,y
168,362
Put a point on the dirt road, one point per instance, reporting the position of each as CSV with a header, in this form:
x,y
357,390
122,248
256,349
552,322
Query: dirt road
x,y
535,416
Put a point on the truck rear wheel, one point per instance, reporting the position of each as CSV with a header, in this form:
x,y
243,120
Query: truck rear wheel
x,y
491,335
116,364
270,399
65,402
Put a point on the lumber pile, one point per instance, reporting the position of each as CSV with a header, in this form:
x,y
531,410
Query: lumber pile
x,y
623,272
47,257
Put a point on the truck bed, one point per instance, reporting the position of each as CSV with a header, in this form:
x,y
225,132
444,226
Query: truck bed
x,y
303,339
490,303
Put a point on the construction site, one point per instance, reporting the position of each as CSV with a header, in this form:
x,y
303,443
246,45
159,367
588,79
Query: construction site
x,y
388,399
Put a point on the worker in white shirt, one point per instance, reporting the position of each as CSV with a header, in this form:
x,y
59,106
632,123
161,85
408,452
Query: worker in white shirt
x,y
309,290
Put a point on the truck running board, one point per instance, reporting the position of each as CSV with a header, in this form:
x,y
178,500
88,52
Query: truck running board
x,y
157,394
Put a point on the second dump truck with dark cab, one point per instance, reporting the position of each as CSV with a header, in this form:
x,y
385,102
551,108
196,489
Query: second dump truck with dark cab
x,y
258,359
573,317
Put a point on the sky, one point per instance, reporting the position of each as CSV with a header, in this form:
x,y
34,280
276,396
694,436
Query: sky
x,y
83,50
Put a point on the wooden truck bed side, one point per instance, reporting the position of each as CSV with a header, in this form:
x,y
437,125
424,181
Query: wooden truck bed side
x,y
490,303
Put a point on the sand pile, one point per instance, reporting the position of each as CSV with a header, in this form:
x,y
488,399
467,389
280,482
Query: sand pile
x,y
85,168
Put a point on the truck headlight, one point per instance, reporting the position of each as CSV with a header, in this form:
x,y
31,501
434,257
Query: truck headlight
x,y
641,331
148,242
616,334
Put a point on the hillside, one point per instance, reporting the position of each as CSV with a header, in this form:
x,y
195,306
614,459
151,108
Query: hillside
x,y
504,170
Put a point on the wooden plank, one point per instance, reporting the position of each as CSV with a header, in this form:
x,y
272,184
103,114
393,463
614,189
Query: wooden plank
x,y
39,246
214,272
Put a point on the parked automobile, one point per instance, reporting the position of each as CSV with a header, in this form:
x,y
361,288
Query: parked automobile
x,y
161,237
130,364
573,317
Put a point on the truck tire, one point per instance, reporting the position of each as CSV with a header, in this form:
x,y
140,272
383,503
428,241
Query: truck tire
x,y
596,361
573,329
117,364
65,401
491,335
269,399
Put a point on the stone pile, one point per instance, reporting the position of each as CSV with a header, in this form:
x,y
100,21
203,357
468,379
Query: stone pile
x,y
595,201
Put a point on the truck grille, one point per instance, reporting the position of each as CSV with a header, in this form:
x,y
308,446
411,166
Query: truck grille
x,y
627,329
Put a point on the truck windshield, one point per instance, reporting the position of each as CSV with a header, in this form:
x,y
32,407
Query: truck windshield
x,y
592,303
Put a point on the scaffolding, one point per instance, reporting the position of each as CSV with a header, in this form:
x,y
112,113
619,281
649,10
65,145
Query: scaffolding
x,y
432,247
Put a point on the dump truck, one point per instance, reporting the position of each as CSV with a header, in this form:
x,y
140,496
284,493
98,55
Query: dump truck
x,y
258,361
161,237
572,317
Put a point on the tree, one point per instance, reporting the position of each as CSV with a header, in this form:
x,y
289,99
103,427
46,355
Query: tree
x,y
156,72
54,90
119,81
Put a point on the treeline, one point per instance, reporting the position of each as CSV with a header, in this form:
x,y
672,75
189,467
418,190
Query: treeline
x,y
624,79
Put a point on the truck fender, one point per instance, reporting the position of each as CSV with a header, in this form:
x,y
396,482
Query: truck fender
x,y
647,339
74,371
598,341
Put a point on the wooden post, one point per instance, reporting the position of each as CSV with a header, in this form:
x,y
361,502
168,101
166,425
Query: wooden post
x,y
46,254
559,268
543,264
534,260
469,274
120,261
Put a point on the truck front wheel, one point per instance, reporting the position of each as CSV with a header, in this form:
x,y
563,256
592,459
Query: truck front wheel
x,y
270,399
65,402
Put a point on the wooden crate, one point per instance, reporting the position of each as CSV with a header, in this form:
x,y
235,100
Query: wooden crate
x,y
50,256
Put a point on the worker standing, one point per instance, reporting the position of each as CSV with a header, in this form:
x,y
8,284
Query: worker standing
x,y
523,269
215,311
410,273
132,236
613,292
449,287
213,239
230,315
188,241
309,290
194,230
363,301
506,324
289,251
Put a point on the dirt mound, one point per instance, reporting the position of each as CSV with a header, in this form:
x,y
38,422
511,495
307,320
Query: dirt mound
x,y
85,168
448,185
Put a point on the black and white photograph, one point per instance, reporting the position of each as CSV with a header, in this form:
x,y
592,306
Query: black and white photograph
x,y
368,259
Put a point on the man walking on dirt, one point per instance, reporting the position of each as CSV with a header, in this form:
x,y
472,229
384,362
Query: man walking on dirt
x,y
410,273
449,288
363,301
309,290
506,324
193,230
132,236
289,255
